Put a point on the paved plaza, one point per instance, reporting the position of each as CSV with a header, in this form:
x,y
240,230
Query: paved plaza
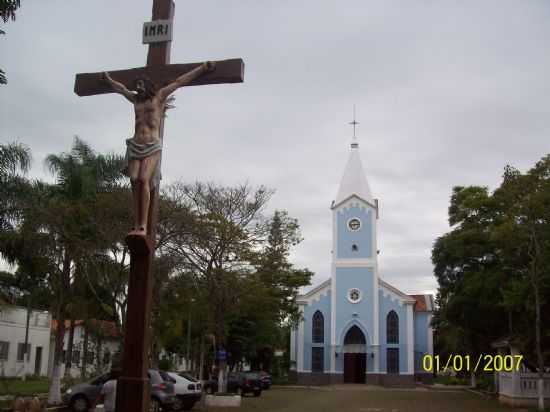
x,y
364,398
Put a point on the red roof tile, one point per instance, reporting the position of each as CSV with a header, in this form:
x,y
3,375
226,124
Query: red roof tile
x,y
424,303
108,328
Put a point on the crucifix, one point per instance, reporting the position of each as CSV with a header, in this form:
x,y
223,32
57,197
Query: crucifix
x,y
147,88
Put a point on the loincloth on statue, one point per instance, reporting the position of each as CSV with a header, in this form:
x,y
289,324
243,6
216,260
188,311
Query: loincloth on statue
x,y
139,151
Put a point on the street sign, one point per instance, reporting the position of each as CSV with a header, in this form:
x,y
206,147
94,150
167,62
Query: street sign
x,y
157,31
222,355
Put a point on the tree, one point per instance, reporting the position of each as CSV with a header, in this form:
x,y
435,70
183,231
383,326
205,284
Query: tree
x,y
468,272
524,242
496,261
81,175
221,229
8,8
275,283
15,160
7,12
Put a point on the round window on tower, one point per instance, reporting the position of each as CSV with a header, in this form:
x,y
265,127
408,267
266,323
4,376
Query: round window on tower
x,y
354,295
354,224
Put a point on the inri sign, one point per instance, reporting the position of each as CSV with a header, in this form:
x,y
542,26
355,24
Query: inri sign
x,y
157,31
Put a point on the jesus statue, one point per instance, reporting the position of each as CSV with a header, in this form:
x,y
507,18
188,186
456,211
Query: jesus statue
x,y
143,150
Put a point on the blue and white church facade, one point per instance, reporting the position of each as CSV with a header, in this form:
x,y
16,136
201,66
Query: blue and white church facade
x,y
355,327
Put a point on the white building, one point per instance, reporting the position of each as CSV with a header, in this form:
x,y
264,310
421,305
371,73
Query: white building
x,y
13,321
103,343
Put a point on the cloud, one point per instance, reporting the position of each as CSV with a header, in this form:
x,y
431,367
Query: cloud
x,y
447,94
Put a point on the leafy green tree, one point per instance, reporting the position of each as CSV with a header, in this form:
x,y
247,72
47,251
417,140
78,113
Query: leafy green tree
x,y
7,12
15,160
496,261
258,330
468,272
81,174
222,228
8,9
523,238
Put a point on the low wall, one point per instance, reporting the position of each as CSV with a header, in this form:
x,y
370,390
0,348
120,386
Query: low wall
x,y
383,379
521,389
425,378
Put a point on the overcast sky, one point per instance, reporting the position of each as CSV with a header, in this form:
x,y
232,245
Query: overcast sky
x,y
447,93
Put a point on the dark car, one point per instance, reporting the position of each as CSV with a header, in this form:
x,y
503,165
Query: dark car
x,y
237,382
81,396
266,379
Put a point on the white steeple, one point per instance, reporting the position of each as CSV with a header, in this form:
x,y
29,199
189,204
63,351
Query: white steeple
x,y
354,181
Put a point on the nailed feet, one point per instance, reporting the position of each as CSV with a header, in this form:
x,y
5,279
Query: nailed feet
x,y
138,232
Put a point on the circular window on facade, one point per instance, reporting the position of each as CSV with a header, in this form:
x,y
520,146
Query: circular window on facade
x,y
354,224
354,295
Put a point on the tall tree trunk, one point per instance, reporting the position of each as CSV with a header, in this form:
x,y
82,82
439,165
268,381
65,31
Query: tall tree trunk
x,y
540,359
84,351
99,353
54,395
26,354
69,353
201,362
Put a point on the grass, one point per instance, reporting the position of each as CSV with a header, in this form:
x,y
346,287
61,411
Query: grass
x,y
451,380
357,399
32,386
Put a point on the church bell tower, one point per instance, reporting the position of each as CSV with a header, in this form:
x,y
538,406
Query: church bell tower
x,y
354,272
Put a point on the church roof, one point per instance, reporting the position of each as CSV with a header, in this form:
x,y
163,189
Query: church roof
x,y
314,293
403,296
424,303
354,181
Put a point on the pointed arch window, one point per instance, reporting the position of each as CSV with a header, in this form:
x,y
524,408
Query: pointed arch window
x,y
392,327
318,327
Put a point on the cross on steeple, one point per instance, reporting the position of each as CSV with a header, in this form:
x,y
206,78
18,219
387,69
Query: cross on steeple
x,y
354,143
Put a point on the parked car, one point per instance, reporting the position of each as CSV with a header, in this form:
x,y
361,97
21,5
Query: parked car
x,y
81,396
237,382
188,390
266,379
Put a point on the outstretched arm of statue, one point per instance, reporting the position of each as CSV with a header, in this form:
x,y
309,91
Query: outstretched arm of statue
x,y
118,87
186,78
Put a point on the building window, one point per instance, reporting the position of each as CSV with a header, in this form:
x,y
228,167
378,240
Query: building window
x,y
354,295
20,350
392,327
4,350
90,357
392,360
317,359
318,327
76,357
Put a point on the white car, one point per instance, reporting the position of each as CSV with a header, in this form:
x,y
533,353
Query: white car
x,y
188,390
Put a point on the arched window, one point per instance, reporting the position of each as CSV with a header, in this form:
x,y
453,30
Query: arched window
x,y
392,327
318,327
355,337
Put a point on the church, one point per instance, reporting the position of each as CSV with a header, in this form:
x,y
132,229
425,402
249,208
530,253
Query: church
x,y
355,327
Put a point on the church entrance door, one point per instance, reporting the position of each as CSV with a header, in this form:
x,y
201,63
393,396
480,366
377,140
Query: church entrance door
x,y
355,356
355,366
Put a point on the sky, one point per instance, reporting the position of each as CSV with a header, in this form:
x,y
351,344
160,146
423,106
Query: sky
x,y
447,93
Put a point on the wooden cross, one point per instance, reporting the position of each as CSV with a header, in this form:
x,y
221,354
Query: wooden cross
x,y
133,389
